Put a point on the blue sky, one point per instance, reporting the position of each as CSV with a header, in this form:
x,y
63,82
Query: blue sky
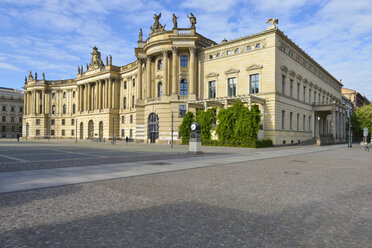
x,y
54,36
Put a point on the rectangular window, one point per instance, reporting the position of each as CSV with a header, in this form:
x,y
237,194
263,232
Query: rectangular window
x,y
231,85
12,119
122,132
303,122
182,110
3,119
37,121
72,132
3,129
20,119
283,84
291,87
133,102
63,132
131,118
134,82
37,132
12,109
283,119
309,95
290,120
319,99
52,122
123,119
72,122
298,91
52,132
4,108
41,109
310,123
130,133
125,102
304,93
63,122
254,82
125,85
184,60
212,89
298,121
314,97
323,100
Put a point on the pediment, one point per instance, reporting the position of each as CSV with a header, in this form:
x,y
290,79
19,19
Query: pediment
x,y
284,68
254,67
212,74
232,71
292,73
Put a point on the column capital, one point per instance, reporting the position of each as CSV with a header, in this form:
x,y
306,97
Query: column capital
x,y
165,53
174,48
148,58
192,49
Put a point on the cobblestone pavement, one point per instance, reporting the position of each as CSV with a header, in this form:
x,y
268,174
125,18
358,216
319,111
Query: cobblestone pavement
x,y
322,199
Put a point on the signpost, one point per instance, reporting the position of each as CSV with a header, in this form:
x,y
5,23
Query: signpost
x,y
365,133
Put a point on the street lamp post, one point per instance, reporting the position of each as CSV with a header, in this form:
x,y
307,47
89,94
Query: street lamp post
x,y
172,132
75,129
113,134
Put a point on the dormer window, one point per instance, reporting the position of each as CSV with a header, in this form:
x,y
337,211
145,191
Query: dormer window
x,y
258,45
249,48
236,50
218,55
228,52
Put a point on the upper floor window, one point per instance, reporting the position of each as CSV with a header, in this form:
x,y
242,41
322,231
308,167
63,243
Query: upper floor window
x,y
64,109
63,122
12,109
53,109
183,88
72,122
258,45
210,56
184,60
212,89
73,94
54,95
283,84
41,95
304,93
3,118
160,64
125,103
131,118
290,120
160,89
125,85
298,91
73,109
249,48
133,102
228,52
182,110
283,119
12,119
123,119
64,94
236,50
4,108
52,122
218,55
254,80
291,87
231,86
134,82
309,95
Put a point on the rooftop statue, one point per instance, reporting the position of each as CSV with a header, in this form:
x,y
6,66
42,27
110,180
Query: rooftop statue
x,y
157,27
96,61
192,19
78,69
30,77
35,76
43,75
25,79
174,21
273,21
140,35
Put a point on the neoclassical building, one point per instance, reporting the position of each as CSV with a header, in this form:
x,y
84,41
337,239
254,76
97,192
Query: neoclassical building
x,y
11,112
180,70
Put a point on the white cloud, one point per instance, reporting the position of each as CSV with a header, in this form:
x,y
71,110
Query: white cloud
x,y
7,66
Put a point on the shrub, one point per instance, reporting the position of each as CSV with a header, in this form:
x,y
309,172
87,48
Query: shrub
x,y
184,129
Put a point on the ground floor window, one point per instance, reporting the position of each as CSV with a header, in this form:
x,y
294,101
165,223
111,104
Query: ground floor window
x,y
63,132
72,132
37,121
122,133
37,132
131,133
52,132
182,110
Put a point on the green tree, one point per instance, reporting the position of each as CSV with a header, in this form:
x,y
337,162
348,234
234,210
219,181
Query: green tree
x,y
205,119
254,125
361,118
184,128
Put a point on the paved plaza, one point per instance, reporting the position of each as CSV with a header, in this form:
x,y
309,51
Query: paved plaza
x,y
278,197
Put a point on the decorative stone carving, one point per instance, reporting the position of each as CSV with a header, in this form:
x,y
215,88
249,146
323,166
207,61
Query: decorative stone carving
x,y
192,19
232,71
212,74
157,27
272,21
254,67
174,21
96,61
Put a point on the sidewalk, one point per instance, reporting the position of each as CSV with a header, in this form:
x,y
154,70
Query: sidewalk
x,y
35,179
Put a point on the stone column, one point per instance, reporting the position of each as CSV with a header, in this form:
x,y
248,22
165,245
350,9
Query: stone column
x,y
86,88
97,95
192,71
109,93
106,93
44,102
33,102
148,76
165,66
139,83
25,103
113,95
334,124
174,70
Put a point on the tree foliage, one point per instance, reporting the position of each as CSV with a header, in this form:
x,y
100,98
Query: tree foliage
x,y
184,129
205,119
361,118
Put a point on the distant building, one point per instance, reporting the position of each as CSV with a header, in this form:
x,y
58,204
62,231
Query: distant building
x,y
355,97
11,112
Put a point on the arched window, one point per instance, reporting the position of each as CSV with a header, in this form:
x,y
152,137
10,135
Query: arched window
x,y
64,109
125,85
64,95
73,94
183,88
160,64
53,109
125,102
160,89
73,109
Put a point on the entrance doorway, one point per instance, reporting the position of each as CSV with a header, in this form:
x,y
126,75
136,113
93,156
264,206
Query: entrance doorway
x,y
90,129
153,127
101,130
81,130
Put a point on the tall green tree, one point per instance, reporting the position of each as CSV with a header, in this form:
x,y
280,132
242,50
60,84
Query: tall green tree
x,y
205,119
184,128
361,118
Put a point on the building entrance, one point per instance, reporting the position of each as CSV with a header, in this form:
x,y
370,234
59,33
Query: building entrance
x,y
153,127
